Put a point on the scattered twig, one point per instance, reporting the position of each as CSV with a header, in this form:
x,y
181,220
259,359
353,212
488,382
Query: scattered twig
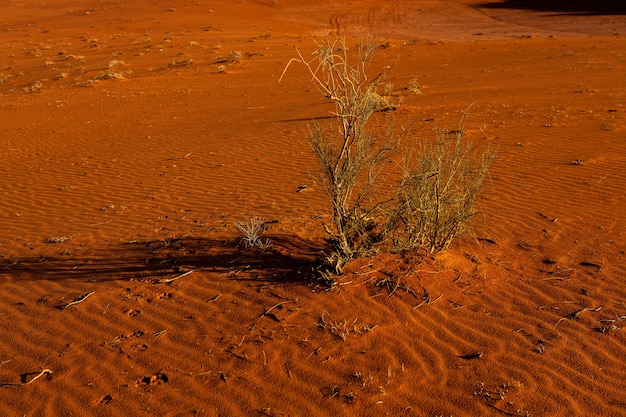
x,y
170,280
77,300
606,328
555,278
575,314
215,298
315,352
243,356
267,312
45,371
427,301
502,411
159,333
39,375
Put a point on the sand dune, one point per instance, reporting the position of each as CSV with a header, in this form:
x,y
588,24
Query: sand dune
x,y
134,135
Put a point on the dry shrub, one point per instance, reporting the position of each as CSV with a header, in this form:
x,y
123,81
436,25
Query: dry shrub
x,y
435,195
350,156
437,192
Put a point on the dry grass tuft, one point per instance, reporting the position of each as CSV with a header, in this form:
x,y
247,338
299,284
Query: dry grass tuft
x,y
252,231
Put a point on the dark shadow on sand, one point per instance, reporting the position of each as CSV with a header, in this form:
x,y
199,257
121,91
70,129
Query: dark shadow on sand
x,y
574,7
290,259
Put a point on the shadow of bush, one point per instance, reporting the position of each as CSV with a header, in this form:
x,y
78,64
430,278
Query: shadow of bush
x,y
579,7
288,260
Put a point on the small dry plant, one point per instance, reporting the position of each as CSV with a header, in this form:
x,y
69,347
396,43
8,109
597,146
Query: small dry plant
x,y
437,192
252,231
182,60
342,329
115,71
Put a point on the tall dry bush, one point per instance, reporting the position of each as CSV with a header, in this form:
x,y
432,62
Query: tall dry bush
x,y
350,155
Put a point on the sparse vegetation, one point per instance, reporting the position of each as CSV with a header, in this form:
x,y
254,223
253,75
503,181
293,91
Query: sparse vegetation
x,y
435,195
341,329
181,60
234,56
414,87
437,191
35,88
115,71
57,239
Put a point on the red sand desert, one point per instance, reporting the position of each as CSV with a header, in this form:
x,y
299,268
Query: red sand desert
x,y
134,134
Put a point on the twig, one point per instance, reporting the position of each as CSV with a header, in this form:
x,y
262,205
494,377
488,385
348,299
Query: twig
x,y
40,374
45,371
555,278
273,307
169,280
243,356
77,301
428,301
395,287
159,333
214,298
315,352
502,411
575,314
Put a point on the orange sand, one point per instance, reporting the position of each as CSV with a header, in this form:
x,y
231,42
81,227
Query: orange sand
x,y
132,138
